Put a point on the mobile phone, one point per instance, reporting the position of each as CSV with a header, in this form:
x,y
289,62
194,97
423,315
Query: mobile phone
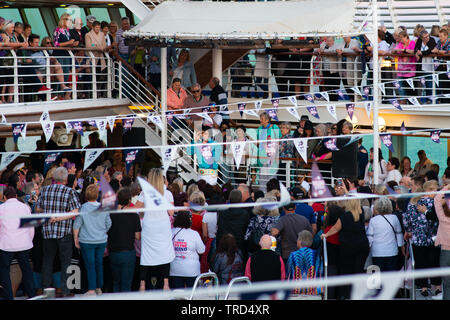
x,y
339,182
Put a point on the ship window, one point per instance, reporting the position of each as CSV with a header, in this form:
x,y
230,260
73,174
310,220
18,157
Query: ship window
x,y
101,14
75,12
35,21
11,14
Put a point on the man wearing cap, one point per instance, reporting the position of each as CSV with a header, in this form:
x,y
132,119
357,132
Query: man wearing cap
x,y
303,208
87,27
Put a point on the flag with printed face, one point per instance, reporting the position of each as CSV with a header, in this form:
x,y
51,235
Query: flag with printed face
x,y
127,123
48,127
7,158
387,141
275,103
111,120
152,198
108,200
396,104
237,148
241,108
414,101
19,129
302,147
350,109
272,114
313,111
293,111
318,187
332,111
258,105
423,81
330,144
325,95
130,157
101,125
435,136
68,126
368,107
92,123
45,116
366,91
293,100
156,120
397,85
341,95
90,156
169,117
50,159
309,97
167,156
77,126
410,82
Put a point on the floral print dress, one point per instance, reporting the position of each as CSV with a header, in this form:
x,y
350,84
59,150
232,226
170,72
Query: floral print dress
x,y
416,222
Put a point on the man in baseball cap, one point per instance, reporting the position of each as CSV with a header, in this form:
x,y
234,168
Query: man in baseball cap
x,y
88,26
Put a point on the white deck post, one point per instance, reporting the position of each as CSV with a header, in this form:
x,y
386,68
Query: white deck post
x,y
376,100
164,94
217,63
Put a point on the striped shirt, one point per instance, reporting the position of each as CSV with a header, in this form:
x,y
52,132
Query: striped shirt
x,y
57,198
123,49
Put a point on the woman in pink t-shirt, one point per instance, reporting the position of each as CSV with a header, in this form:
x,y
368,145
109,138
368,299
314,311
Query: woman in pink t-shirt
x,y
406,65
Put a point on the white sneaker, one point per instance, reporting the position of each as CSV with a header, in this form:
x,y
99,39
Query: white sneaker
x,y
437,297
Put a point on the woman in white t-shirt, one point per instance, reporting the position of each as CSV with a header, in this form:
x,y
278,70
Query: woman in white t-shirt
x,y
156,240
188,246
393,172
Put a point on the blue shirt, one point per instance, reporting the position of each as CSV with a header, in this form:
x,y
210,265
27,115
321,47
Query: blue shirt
x,y
307,211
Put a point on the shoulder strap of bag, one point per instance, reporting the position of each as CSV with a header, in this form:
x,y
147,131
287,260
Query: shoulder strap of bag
x,y
176,233
395,233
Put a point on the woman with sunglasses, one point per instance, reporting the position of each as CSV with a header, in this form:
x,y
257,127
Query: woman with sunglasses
x,y
184,70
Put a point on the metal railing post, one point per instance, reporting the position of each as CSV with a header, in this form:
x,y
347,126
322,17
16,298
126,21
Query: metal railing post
x,y
94,75
202,276
229,83
413,266
74,76
109,76
16,77
269,87
325,265
233,281
120,80
47,74
433,87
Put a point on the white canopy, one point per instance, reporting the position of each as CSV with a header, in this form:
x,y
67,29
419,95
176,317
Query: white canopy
x,y
247,20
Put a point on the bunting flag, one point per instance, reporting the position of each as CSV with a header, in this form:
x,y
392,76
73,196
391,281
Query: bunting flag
x,y
237,148
45,116
101,125
397,85
396,104
19,129
206,116
448,74
258,105
352,139
330,144
47,128
350,109
285,197
167,156
7,158
130,157
368,107
423,81
276,103
127,123
32,222
318,187
435,136
206,109
313,111
90,156
382,88
169,117
414,101
68,126
293,100
357,91
403,128
325,95
294,112
241,108
50,159
448,66
156,120
251,113
302,147
152,198
436,78
309,97
77,126
341,95
273,114
92,123
111,120
366,91
332,111
108,200
4,120
411,83
387,141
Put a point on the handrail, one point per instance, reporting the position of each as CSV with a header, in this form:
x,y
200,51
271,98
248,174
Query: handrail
x,y
413,266
233,281
54,48
325,264
205,275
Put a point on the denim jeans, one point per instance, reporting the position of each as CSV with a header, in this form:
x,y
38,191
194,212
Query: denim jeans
x,y
37,278
27,273
50,247
181,282
122,268
445,262
93,260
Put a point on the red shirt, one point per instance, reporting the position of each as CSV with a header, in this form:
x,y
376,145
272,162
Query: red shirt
x,y
334,239
197,223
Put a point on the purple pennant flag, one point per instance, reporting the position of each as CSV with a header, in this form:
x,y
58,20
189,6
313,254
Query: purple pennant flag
x,y
318,187
350,109
423,81
275,103
309,97
127,123
448,75
273,114
341,94
397,85
396,104
313,111
330,143
77,126
92,123
387,141
109,198
17,129
169,115
403,128
241,108
435,136
31,222
366,91
50,159
130,157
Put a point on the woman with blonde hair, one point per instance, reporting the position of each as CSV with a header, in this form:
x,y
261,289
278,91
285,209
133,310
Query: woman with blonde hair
x,y
197,198
354,245
157,250
62,38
